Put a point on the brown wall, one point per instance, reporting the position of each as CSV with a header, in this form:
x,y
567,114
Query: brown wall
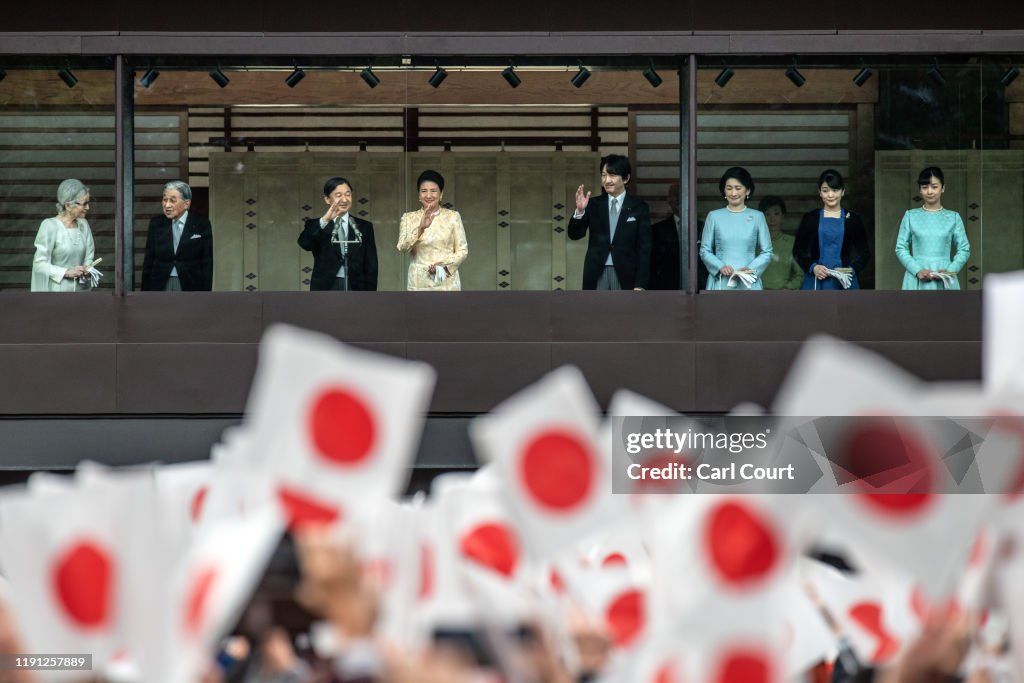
x,y
194,354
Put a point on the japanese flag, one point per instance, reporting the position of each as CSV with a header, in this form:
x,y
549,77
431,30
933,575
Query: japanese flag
x,y
556,475
186,487
338,426
65,560
877,616
1002,332
203,594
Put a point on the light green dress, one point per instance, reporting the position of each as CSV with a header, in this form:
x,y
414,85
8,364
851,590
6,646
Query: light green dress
x,y
925,241
783,273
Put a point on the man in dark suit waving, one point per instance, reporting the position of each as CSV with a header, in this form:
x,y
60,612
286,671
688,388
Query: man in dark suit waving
x,y
619,249
179,246
336,234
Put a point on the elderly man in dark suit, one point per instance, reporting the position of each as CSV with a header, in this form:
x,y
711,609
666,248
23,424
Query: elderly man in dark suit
x,y
619,249
179,246
333,236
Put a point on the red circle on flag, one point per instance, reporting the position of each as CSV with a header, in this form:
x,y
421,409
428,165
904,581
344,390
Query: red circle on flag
x,y
493,545
342,427
302,510
666,673
891,464
426,572
557,469
742,666
868,615
614,560
741,546
625,617
196,600
198,500
83,580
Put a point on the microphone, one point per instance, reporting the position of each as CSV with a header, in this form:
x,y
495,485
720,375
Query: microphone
x,y
359,234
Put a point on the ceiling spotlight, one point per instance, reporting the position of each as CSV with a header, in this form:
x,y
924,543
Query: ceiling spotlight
x,y
437,78
369,77
862,76
581,77
795,77
147,79
68,77
1010,76
218,77
295,77
510,76
652,76
724,76
935,74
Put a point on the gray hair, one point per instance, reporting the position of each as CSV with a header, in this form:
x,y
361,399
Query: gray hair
x,y
69,191
182,187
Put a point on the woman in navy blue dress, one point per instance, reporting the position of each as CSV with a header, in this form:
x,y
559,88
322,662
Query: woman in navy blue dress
x,y
831,238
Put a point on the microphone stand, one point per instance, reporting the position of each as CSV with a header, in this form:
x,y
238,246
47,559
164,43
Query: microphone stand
x,y
336,239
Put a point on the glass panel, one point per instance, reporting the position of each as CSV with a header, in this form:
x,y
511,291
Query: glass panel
x,y
256,154
876,122
57,124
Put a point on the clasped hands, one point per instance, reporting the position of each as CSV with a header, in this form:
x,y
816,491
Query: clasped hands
x,y
76,272
925,274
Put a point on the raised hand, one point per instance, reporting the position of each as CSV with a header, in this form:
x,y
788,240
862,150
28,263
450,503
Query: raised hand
x,y
427,219
333,211
581,200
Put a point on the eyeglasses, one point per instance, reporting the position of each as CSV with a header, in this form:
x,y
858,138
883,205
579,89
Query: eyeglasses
x,y
85,204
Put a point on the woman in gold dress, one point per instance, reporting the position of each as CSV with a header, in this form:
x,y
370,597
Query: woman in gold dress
x,y
434,238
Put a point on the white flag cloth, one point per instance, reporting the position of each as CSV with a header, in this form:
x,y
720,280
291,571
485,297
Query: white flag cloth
x,y
338,426
202,595
1002,332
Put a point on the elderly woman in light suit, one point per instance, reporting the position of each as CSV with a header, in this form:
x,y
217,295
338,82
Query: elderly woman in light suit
x,y
64,244
434,238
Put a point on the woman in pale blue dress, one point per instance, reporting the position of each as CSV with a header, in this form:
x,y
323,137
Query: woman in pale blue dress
x,y
735,237
927,236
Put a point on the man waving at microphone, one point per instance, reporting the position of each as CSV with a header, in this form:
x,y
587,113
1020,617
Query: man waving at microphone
x,y
337,235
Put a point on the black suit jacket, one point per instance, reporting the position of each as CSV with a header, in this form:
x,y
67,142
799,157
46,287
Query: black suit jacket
x,y
854,252
362,258
664,255
631,250
194,258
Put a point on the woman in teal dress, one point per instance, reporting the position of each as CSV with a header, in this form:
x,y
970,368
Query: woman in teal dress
x,y
734,235
926,236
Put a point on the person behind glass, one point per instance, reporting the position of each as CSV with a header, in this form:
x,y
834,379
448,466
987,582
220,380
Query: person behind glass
x,y
336,234
619,249
179,246
782,273
434,238
64,244
830,237
734,234
926,235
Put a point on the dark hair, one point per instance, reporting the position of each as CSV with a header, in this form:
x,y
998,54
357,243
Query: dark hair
x,y
429,176
769,201
925,176
332,184
832,178
739,173
617,165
